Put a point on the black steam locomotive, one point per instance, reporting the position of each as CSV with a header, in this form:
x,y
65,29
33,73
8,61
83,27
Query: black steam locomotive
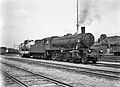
x,y
70,48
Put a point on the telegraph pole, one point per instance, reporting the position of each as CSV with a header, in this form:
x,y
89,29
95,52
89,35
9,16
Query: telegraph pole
x,y
77,18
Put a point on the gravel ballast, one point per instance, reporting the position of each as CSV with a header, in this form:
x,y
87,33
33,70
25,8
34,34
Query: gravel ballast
x,y
76,79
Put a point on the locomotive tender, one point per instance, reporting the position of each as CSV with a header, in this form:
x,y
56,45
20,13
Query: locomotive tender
x,y
71,48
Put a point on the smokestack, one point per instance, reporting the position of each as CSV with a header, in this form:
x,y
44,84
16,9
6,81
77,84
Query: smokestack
x,y
82,30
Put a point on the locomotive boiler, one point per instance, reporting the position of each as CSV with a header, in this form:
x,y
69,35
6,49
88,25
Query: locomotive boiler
x,y
71,48
85,40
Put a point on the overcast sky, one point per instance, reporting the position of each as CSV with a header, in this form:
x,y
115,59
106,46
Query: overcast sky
x,y
37,19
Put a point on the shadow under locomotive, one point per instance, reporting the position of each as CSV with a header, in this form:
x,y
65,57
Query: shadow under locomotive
x,y
70,48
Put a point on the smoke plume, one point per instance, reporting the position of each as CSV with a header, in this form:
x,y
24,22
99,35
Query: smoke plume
x,y
90,10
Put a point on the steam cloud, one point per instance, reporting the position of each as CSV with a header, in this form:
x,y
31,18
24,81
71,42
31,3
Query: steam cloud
x,y
90,10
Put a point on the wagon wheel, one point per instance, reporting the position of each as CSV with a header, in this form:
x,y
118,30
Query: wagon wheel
x,y
84,60
77,61
71,60
65,59
53,56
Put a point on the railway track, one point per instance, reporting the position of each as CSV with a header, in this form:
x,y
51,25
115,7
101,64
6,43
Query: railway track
x,y
107,65
11,81
100,64
30,79
97,72
84,70
111,59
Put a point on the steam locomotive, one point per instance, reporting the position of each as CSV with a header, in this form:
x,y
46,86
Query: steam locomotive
x,y
70,48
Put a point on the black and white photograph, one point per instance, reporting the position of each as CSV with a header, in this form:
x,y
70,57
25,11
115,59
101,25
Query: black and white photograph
x,y
60,43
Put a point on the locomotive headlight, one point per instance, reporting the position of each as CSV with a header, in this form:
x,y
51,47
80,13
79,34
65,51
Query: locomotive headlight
x,y
78,41
89,50
100,51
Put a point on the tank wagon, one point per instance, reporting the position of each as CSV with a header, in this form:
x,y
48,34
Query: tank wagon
x,y
71,48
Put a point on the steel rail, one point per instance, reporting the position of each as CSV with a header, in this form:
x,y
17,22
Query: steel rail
x,y
107,65
82,69
52,80
14,79
110,60
76,68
